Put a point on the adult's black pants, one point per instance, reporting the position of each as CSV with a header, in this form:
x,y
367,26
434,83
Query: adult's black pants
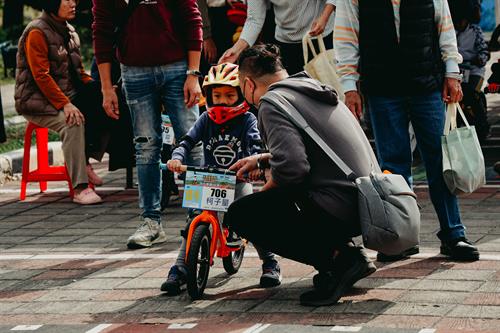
x,y
287,222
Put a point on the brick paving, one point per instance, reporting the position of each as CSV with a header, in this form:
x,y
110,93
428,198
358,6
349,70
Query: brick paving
x,y
66,268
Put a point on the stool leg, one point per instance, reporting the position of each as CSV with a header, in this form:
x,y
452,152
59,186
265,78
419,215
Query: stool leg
x,y
42,148
23,191
26,159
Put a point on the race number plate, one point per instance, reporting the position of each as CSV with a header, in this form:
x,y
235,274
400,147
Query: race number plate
x,y
167,130
209,190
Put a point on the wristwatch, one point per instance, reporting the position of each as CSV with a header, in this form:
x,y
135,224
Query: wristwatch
x,y
194,72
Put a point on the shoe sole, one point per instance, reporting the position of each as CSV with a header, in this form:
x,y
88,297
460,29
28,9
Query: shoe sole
x,y
474,256
405,254
266,282
371,269
171,290
353,275
132,245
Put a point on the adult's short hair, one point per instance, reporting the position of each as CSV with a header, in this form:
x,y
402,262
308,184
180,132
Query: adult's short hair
x,y
51,6
260,60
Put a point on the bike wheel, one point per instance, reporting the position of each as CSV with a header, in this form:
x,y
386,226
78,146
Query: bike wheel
x,y
198,261
233,261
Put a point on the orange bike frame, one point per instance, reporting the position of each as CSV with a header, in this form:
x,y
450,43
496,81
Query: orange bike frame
x,y
218,242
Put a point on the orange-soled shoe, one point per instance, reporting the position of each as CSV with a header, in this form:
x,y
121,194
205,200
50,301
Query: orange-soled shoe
x,y
87,197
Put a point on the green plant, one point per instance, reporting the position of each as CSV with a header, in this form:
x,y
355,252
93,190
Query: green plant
x,y
15,138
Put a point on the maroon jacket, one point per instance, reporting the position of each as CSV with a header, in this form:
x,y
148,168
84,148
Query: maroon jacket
x,y
158,32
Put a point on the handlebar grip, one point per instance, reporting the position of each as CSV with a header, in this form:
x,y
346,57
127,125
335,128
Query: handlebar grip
x,y
163,166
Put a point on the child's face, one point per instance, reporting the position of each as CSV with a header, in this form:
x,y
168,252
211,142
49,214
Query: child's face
x,y
224,95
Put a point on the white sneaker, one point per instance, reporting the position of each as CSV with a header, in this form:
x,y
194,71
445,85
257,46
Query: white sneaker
x,y
87,197
149,232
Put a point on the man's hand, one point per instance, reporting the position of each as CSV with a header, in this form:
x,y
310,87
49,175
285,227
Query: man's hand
x,y
318,26
245,165
210,50
110,103
174,166
192,91
232,54
353,102
73,115
269,184
452,91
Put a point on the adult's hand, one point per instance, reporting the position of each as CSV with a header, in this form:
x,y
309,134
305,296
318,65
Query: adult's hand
x,y
192,91
318,26
353,102
110,103
452,91
269,184
210,50
245,165
73,115
232,54
175,166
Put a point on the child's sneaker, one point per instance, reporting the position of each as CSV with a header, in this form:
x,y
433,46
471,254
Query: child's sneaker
x,y
271,274
175,281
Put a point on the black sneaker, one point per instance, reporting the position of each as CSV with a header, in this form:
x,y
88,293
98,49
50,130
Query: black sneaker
x,y
400,256
175,281
322,278
271,274
460,249
349,267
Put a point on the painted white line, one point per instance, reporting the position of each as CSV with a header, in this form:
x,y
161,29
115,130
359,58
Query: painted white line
x,y
427,330
26,327
257,328
181,326
99,328
346,328
58,189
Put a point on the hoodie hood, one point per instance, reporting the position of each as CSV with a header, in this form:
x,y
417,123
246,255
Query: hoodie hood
x,y
305,85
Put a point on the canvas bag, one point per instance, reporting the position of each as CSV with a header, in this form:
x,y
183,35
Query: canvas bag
x,y
388,210
322,66
463,161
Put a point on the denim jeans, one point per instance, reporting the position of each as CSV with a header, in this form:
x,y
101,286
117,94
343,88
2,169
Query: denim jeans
x,y
146,89
390,118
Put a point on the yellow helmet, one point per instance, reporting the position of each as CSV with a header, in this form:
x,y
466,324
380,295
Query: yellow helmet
x,y
226,74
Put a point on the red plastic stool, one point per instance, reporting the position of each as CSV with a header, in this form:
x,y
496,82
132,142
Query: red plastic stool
x,y
44,171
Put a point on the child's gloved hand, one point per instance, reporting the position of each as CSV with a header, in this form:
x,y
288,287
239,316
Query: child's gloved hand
x,y
493,87
174,166
494,80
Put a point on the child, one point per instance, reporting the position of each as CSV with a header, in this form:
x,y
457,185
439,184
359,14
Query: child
x,y
228,133
474,50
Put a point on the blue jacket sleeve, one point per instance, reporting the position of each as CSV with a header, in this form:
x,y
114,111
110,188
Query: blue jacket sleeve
x,y
253,138
193,136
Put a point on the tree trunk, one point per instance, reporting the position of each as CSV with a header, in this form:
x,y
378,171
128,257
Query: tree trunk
x,y
12,15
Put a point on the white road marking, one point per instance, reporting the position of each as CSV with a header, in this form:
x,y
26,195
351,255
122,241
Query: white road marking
x,y
99,328
26,327
181,326
257,328
346,329
427,330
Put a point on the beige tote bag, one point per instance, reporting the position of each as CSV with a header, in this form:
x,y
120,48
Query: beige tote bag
x,y
322,66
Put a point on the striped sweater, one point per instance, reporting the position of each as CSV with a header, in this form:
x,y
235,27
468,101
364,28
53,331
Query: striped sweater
x,y
346,40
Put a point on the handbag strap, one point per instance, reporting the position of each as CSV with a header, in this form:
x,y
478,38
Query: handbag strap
x,y
451,117
283,105
306,45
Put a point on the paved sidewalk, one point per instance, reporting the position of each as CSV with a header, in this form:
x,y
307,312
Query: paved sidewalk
x,y
65,268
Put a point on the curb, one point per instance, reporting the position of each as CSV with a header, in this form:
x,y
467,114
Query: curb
x,y
12,162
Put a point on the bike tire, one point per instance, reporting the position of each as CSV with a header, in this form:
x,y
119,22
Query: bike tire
x,y
232,262
198,261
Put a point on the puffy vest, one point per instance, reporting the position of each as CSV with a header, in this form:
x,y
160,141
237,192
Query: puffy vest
x,y
29,99
412,65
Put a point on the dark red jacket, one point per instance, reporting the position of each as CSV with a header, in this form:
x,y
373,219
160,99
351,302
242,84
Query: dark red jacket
x,y
158,32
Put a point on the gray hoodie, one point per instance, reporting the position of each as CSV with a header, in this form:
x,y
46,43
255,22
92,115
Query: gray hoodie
x,y
297,161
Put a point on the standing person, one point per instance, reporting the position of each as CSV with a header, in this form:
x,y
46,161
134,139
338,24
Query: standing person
x,y
307,199
294,18
404,55
52,90
159,50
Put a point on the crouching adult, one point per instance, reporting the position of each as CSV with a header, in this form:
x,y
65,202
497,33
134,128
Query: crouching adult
x,y
307,209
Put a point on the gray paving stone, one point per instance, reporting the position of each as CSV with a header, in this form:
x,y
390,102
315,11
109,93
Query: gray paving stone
x,y
439,297
461,274
142,283
14,239
22,274
371,283
419,309
69,295
281,307
40,284
112,218
475,311
160,305
25,218
104,307
93,239
25,232
124,232
71,232
96,284
7,307
490,287
119,273
53,240
442,285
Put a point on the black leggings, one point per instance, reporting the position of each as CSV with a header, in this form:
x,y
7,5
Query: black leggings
x,y
285,221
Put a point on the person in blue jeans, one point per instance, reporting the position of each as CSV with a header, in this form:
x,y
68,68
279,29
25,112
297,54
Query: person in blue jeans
x,y
404,56
159,48
228,133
